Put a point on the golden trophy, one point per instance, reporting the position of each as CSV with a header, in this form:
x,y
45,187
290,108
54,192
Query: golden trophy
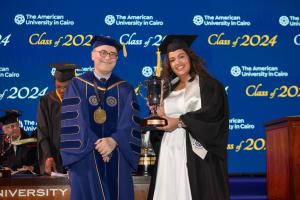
x,y
147,158
155,91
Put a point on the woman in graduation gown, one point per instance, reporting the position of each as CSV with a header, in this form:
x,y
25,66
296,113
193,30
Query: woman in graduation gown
x,y
191,149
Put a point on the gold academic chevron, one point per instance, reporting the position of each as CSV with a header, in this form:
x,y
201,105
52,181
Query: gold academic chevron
x,y
101,88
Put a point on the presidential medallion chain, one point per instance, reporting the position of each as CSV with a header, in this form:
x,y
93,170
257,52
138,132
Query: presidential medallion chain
x,y
99,114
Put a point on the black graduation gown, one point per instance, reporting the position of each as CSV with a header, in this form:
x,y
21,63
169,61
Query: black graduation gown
x,y
25,155
48,130
209,125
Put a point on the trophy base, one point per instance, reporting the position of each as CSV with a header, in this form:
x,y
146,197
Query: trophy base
x,y
146,165
151,123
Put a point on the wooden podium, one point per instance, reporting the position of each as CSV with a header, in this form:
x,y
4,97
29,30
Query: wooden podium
x,y
283,158
54,188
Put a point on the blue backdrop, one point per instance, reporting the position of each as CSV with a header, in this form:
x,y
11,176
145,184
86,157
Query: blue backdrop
x,y
251,46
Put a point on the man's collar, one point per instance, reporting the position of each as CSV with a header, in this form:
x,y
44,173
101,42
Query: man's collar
x,y
99,76
17,139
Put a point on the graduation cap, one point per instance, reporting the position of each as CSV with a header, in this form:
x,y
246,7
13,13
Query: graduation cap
x,y
11,116
64,71
175,42
172,43
99,40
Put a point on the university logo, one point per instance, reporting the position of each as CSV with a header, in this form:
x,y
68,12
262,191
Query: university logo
x,y
284,20
19,19
53,71
93,100
235,71
198,20
110,20
147,71
111,101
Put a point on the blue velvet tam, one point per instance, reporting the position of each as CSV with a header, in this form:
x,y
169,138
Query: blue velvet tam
x,y
99,40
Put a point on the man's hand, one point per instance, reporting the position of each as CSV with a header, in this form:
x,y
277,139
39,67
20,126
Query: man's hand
x,y
50,166
29,168
105,146
106,158
7,168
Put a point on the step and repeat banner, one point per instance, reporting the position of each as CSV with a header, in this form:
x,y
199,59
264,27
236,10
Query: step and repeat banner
x,y
252,47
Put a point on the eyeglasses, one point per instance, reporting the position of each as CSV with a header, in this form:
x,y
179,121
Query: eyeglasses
x,y
104,53
12,125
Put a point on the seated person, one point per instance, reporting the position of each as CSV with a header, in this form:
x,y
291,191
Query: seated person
x,y
19,152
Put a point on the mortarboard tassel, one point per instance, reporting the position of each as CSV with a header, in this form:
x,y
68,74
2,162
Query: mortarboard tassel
x,y
124,49
158,66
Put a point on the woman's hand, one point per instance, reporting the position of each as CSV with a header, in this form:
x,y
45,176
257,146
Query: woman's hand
x,y
172,124
161,111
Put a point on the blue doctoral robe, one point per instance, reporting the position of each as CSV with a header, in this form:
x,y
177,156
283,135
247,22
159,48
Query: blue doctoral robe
x,y
90,177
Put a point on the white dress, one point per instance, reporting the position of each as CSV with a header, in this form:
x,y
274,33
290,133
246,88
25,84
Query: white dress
x,y
172,180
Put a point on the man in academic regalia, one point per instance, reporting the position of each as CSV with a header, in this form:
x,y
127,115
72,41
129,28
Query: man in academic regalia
x,y
48,121
19,150
100,133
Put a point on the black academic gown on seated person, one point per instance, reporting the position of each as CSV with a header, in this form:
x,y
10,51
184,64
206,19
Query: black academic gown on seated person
x,y
48,130
25,155
209,125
